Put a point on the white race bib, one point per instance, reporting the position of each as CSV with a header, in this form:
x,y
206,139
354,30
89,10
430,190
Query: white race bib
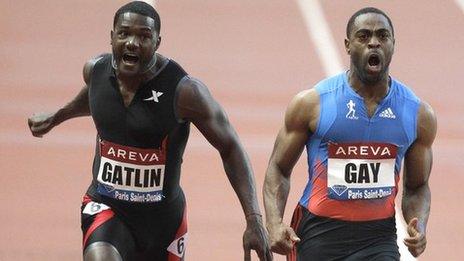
x,y
361,170
131,174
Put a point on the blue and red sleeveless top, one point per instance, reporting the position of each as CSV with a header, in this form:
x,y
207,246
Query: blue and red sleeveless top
x,y
354,160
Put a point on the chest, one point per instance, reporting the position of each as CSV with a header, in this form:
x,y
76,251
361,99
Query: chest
x,y
127,94
139,118
353,119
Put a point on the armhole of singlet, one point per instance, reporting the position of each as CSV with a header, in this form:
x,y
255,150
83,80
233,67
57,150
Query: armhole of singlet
x,y
410,112
176,94
318,124
411,132
326,119
94,62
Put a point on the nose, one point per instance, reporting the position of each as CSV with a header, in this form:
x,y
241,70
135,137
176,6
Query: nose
x,y
373,42
132,43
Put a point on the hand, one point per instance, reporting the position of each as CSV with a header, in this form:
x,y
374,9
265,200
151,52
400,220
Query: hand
x,y
41,123
416,241
255,237
282,238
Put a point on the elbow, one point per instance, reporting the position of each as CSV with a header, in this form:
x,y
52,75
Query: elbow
x,y
229,148
418,190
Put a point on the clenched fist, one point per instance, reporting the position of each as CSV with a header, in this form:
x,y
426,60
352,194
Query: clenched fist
x,y
41,123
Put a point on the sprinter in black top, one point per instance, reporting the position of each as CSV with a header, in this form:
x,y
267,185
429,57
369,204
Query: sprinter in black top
x,y
138,145
142,104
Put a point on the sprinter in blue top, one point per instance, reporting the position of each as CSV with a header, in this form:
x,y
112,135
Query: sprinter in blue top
x,y
357,128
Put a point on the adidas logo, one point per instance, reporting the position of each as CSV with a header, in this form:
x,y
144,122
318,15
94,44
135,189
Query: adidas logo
x,y
387,113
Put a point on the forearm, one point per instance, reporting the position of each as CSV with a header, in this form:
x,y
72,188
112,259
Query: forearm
x,y
416,203
79,106
276,190
240,174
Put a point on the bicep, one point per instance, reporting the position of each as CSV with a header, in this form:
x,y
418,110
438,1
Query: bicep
x,y
196,104
288,147
294,134
417,165
215,126
419,157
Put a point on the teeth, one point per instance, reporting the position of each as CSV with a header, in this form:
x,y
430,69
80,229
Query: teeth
x,y
130,58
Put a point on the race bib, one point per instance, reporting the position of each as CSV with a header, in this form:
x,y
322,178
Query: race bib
x,y
131,174
177,247
361,170
93,208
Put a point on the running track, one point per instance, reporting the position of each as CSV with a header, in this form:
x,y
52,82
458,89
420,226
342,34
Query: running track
x,y
254,56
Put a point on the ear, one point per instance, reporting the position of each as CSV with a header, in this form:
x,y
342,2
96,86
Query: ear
x,y
111,37
158,42
347,46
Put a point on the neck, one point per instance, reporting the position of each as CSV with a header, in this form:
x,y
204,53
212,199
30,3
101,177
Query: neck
x,y
134,81
369,90
128,82
151,69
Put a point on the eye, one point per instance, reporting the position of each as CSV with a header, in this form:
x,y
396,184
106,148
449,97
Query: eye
x,y
147,36
384,36
362,37
122,34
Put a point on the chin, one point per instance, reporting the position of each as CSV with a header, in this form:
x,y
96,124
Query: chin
x,y
129,71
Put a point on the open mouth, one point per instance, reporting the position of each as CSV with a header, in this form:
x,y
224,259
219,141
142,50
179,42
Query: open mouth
x,y
130,58
374,60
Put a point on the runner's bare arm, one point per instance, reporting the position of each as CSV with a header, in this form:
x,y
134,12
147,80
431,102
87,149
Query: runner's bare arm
x,y
195,104
417,168
42,123
300,120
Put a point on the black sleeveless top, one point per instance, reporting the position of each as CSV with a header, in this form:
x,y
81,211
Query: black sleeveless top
x,y
139,148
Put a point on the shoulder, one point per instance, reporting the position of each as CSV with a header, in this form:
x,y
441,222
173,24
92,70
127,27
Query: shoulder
x,y
303,109
191,87
172,62
193,99
405,91
427,123
167,64
306,99
90,64
331,83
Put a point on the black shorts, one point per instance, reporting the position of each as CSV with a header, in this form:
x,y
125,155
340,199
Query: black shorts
x,y
160,235
325,238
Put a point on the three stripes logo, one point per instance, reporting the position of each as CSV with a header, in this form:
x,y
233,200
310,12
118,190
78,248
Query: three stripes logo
x,y
387,113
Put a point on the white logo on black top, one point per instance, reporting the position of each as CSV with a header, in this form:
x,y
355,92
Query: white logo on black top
x,y
154,97
351,111
387,113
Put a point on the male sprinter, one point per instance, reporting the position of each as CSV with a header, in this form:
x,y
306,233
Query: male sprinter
x,y
357,127
142,104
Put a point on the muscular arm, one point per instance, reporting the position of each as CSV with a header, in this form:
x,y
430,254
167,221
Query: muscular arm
x,y
416,194
77,107
300,119
196,104
42,123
